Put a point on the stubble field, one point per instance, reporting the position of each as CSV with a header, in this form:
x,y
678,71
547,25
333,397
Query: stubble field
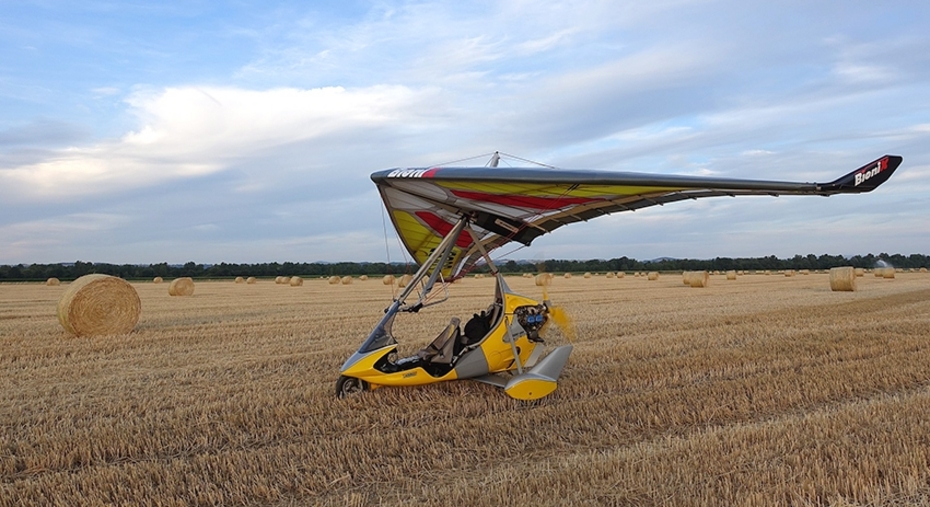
x,y
766,390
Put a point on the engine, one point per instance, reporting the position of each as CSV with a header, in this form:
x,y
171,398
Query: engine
x,y
532,319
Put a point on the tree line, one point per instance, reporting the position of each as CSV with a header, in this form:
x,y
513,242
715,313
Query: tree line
x,y
71,271
741,263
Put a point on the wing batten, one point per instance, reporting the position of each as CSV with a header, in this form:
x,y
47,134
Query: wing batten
x,y
508,204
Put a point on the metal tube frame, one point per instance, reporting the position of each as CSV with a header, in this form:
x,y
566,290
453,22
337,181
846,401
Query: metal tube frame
x,y
441,254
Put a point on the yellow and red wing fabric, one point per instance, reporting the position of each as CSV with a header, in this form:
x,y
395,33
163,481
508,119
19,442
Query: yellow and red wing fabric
x,y
514,204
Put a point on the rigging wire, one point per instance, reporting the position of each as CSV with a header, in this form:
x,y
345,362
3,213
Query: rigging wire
x,y
528,160
444,164
387,247
502,155
387,251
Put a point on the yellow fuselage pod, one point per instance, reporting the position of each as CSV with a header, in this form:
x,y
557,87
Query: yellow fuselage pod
x,y
365,369
496,349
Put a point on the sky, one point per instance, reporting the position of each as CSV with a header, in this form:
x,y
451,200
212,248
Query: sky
x,y
245,132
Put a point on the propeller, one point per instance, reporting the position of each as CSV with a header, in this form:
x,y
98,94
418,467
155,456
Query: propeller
x,y
559,316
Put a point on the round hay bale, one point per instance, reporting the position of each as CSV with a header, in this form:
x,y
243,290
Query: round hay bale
x,y
843,279
277,280
405,280
923,270
296,281
346,280
620,274
610,274
889,273
53,282
388,280
334,280
158,279
789,273
250,280
587,275
860,272
805,271
686,277
653,275
239,279
699,279
731,275
879,272
363,278
99,305
543,279
181,287
568,275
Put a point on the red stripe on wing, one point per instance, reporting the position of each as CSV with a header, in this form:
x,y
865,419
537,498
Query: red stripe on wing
x,y
443,228
523,201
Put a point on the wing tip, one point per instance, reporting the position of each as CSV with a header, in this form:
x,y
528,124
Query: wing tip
x,y
865,178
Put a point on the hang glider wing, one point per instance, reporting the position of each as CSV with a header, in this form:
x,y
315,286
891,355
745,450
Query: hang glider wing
x,y
510,204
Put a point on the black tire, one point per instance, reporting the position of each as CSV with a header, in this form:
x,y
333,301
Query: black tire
x,y
346,386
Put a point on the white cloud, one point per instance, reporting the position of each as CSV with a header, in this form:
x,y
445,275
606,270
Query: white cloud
x,y
30,239
106,91
194,131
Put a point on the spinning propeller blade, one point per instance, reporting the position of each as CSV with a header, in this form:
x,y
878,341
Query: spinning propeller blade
x,y
560,317
565,322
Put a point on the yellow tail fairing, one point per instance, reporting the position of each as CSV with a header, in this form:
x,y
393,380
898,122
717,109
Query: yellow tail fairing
x,y
530,389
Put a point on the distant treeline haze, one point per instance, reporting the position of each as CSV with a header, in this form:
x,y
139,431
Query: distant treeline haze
x,y
69,271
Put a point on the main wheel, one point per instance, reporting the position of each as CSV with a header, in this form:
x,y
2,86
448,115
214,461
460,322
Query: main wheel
x,y
349,385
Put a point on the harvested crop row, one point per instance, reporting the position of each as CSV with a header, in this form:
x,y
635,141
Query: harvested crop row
x,y
672,395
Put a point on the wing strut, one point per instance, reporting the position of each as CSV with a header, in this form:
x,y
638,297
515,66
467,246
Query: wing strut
x,y
434,262
480,246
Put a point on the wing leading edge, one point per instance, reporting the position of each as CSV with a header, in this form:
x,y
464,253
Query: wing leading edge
x,y
513,204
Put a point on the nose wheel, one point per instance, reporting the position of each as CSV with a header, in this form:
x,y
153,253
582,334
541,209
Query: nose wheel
x,y
346,386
